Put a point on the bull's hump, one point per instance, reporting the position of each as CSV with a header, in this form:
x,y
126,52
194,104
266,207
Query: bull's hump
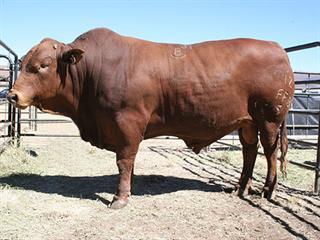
x,y
96,32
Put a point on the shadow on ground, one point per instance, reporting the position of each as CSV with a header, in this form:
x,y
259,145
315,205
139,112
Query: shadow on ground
x,y
88,187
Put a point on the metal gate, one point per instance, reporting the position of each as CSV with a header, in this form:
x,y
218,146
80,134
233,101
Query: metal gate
x,y
313,111
9,64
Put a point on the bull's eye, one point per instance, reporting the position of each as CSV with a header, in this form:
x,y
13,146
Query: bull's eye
x,y
43,65
39,67
33,68
46,62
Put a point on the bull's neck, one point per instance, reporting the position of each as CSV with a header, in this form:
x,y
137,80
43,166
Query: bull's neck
x,y
71,89
81,79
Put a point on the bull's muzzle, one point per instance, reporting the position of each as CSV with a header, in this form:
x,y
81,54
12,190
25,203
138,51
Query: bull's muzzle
x,y
12,97
18,99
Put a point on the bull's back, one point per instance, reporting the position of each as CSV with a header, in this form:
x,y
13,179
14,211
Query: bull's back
x,y
217,84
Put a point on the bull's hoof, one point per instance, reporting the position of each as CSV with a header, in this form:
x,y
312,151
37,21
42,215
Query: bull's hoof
x,y
240,192
118,203
244,192
268,194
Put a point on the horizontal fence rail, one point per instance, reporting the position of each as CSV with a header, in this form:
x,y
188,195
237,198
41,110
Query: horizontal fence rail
x,y
316,81
303,111
45,120
303,46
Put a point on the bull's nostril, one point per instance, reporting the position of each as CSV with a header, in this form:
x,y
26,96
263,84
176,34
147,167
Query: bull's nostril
x,y
13,98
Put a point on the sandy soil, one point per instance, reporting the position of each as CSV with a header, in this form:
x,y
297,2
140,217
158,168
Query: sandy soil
x,y
59,190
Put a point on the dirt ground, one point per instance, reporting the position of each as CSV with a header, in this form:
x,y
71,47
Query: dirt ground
x,y
59,189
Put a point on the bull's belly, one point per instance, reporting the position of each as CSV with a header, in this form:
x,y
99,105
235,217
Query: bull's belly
x,y
196,132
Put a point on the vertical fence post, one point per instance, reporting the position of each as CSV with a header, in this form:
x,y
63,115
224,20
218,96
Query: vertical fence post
x,y
11,130
317,178
36,118
18,127
30,116
17,111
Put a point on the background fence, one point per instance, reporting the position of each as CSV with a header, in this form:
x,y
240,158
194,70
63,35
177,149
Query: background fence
x,y
303,118
306,102
8,73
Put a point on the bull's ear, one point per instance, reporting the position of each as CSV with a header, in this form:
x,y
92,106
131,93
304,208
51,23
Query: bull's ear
x,y
72,56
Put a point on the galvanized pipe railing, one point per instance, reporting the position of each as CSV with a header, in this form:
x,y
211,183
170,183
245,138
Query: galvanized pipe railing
x,y
13,68
303,46
11,128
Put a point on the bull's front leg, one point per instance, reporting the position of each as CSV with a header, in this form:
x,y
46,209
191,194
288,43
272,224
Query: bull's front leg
x,y
132,125
125,163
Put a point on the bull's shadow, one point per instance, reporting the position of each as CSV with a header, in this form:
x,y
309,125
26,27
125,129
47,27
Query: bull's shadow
x,y
88,187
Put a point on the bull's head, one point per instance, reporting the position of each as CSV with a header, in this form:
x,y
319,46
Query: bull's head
x,y
40,79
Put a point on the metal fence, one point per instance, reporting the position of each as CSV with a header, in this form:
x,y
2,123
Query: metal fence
x,y
32,119
309,92
8,114
303,117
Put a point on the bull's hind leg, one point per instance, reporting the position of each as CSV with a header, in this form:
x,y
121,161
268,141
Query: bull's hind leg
x,y
248,135
269,137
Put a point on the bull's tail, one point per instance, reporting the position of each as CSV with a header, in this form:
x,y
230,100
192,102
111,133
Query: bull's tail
x,y
283,148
